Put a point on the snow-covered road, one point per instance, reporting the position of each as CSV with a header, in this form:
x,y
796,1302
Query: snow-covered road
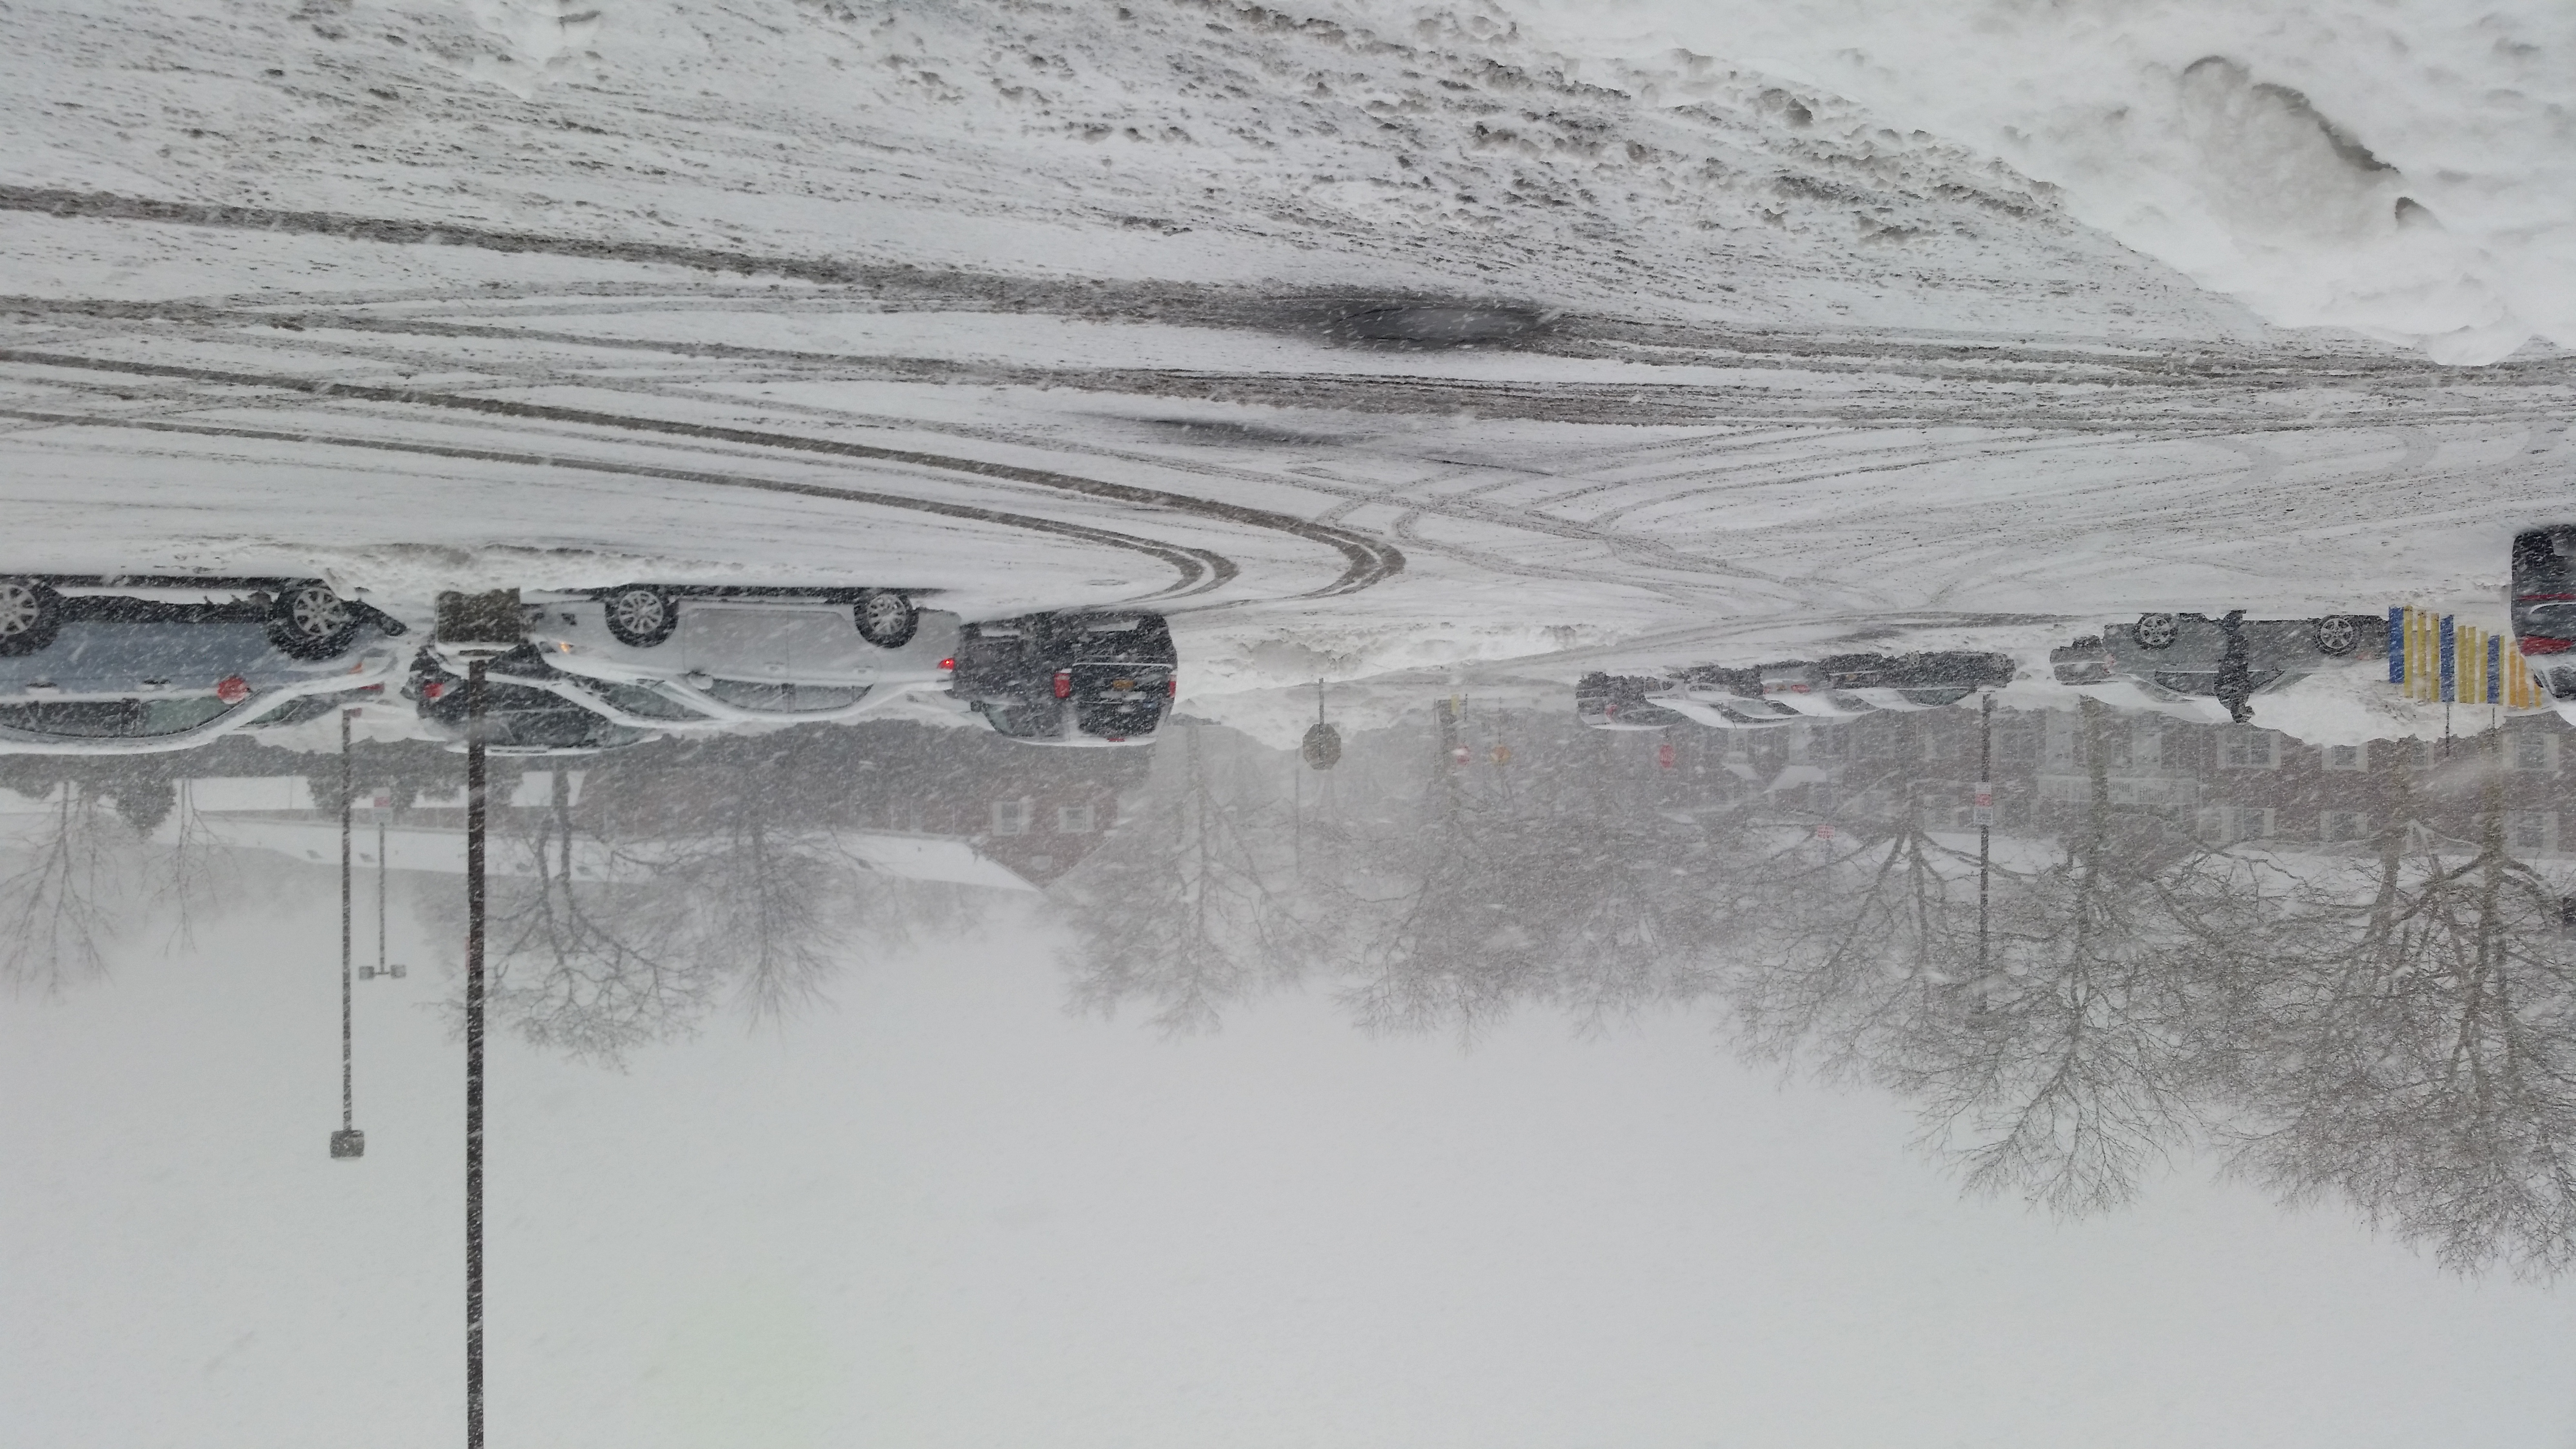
x,y
1592,480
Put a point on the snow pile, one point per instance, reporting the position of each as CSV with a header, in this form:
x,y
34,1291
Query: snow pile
x,y
2405,170
1176,140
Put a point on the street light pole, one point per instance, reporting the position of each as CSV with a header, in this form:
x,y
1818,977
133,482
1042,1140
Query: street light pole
x,y
348,1141
1985,815
475,802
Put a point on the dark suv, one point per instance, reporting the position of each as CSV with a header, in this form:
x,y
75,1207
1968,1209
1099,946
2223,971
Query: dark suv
x,y
2544,604
1069,679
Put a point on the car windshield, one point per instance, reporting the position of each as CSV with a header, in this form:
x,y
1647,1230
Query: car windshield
x,y
638,699
2205,681
297,710
99,719
785,698
565,726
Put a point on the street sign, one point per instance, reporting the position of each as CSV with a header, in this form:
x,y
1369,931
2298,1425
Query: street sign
x,y
1982,813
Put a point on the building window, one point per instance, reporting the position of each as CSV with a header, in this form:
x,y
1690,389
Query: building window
x,y
1011,817
1073,819
2146,748
2347,757
2530,829
2531,751
2335,825
2016,743
2228,824
2249,749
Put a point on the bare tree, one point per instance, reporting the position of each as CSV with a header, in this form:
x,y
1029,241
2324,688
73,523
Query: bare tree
x,y
585,943
2062,1063
60,899
2417,1048
1188,906
1569,888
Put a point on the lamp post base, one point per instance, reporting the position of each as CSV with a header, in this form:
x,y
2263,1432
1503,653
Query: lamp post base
x,y
348,1142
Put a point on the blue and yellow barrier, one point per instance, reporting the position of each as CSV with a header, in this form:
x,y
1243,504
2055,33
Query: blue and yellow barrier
x,y
2434,658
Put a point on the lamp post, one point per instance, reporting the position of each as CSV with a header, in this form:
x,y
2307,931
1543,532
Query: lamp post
x,y
348,1141
475,792
1983,811
383,806
477,626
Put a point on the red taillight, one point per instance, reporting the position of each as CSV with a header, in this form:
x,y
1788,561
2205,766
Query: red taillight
x,y
948,664
1064,684
432,689
233,690
1172,687
2536,644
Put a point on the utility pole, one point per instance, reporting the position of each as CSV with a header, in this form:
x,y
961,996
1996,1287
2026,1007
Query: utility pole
x,y
348,1141
476,791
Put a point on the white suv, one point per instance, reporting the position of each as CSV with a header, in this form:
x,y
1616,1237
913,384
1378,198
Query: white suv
x,y
748,656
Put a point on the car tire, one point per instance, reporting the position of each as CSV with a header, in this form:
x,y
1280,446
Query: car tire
x,y
885,618
2156,631
640,618
2337,634
308,621
30,613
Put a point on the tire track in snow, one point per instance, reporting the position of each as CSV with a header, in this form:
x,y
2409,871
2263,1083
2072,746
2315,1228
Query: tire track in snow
x,y
1977,387
1200,570
1369,561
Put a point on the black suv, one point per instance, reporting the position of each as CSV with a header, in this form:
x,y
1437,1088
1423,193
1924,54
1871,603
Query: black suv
x,y
1069,679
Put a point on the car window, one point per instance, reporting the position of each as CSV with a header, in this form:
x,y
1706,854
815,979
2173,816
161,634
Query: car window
x,y
637,699
114,718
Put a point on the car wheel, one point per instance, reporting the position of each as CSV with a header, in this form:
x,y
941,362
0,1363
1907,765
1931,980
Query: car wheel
x,y
2156,631
2337,634
308,621
886,619
641,618
29,615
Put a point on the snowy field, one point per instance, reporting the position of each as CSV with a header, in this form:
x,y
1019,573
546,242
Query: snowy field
x,y
1972,329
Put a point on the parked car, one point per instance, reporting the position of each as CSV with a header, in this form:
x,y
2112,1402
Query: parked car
x,y
1624,702
2230,658
110,666
2544,605
1069,679
529,708
1634,702
717,657
1929,679
1844,686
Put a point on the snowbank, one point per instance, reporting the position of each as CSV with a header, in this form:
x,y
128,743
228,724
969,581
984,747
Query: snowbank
x,y
2407,171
